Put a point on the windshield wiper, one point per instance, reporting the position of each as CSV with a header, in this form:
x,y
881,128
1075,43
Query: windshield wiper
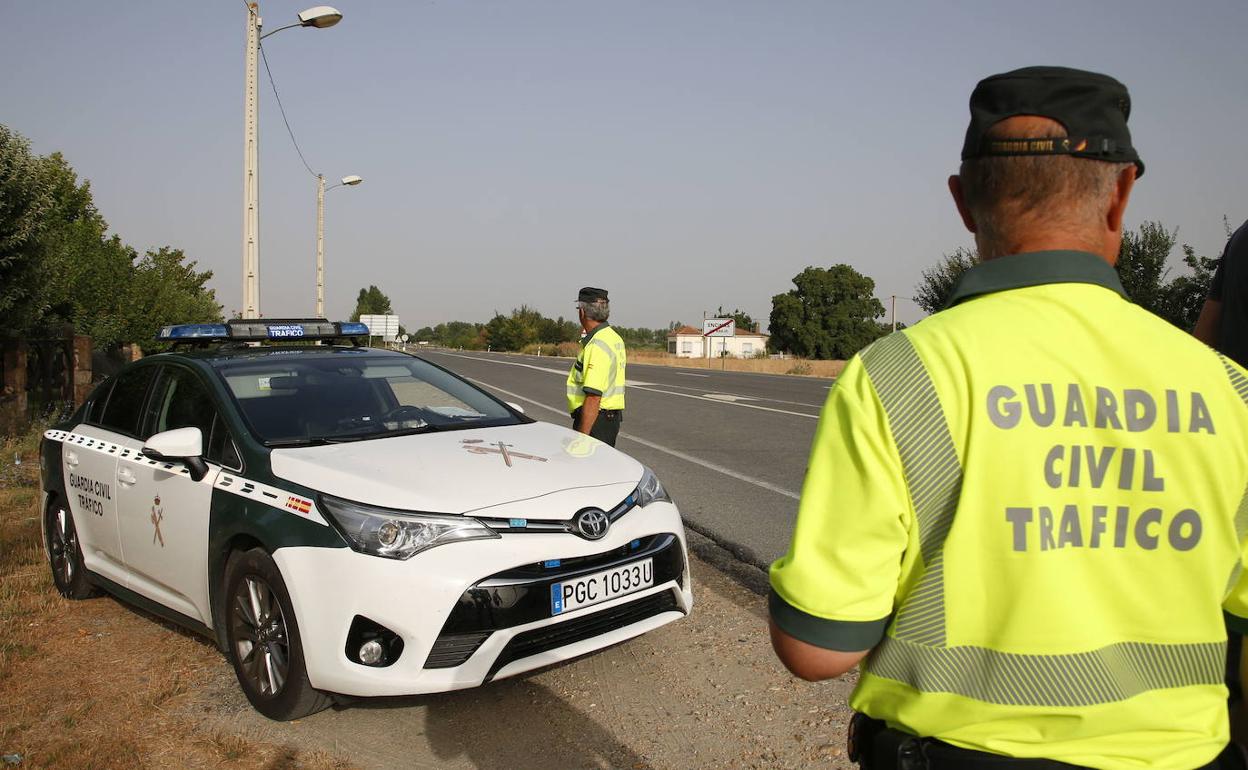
x,y
287,442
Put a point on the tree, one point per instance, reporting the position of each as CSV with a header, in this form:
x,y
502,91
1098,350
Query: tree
x,y
25,201
743,319
460,334
167,289
89,273
371,302
1142,263
1143,271
937,282
58,264
831,314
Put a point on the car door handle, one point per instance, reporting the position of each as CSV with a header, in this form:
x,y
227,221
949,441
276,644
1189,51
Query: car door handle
x,y
126,477
71,459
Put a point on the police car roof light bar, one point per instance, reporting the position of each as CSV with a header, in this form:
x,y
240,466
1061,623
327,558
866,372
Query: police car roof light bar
x,y
264,329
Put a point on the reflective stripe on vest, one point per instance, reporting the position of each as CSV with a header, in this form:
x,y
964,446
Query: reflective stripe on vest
x,y
915,650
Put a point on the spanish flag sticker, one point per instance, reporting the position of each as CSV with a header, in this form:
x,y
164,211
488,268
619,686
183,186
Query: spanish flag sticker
x,y
299,504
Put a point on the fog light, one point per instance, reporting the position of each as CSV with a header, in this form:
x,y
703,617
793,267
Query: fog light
x,y
371,644
372,653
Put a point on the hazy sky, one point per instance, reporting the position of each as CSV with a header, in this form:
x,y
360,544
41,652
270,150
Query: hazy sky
x,y
681,154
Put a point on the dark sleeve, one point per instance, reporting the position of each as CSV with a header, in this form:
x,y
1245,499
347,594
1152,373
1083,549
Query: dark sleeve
x,y
1215,286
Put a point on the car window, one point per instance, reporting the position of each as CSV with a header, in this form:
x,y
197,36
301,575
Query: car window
x,y
98,399
181,401
221,447
125,402
351,396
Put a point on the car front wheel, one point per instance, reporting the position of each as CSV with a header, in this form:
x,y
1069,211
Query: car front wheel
x,y
263,638
64,553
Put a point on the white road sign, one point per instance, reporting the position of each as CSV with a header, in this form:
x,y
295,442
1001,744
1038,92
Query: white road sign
x,y
719,327
384,326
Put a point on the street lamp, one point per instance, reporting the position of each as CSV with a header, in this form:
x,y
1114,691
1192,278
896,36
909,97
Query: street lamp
x,y
347,181
320,17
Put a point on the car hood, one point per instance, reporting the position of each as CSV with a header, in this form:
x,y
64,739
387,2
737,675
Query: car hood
x,y
553,471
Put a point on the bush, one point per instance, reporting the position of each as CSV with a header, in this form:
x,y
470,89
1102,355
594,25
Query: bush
x,y
801,367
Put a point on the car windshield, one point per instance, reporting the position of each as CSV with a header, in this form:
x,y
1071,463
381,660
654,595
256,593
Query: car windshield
x,y
307,399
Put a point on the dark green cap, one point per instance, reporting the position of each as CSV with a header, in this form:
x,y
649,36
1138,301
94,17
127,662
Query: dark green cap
x,y
1092,107
591,294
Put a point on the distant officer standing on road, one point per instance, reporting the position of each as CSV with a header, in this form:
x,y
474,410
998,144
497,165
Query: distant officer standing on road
x,y
1027,512
596,382
1223,325
1223,322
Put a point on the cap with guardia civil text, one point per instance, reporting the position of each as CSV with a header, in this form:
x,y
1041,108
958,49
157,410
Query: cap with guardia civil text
x,y
1092,107
590,294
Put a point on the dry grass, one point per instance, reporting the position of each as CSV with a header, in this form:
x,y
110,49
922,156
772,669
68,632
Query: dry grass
x,y
94,684
795,366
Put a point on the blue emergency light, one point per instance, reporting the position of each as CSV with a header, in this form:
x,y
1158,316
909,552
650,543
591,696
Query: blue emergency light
x,y
264,329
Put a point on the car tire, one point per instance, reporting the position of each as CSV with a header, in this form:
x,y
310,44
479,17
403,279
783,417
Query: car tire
x,y
65,554
262,639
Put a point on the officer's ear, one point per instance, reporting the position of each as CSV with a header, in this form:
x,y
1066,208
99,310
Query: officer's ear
x,y
959,200
1118,203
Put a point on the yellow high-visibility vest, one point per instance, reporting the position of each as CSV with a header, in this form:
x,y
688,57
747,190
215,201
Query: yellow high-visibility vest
x,y
1032,507
599,370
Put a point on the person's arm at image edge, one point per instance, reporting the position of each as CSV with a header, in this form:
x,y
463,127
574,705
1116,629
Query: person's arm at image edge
x,y
832,593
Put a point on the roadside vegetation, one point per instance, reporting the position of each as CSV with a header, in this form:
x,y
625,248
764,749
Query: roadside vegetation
x,y
60,265
95,684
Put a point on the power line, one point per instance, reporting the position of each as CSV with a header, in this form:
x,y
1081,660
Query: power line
x,y
277,96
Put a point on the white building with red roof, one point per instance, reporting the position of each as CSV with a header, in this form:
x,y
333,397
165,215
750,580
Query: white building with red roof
x,y
688,342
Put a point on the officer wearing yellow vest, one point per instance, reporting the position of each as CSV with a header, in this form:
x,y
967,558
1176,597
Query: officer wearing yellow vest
x,y
596,381
1026,515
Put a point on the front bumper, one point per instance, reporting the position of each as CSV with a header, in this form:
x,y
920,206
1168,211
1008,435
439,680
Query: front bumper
x,y
478,610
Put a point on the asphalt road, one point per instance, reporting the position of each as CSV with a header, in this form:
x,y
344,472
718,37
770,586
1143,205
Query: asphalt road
x,y
731,447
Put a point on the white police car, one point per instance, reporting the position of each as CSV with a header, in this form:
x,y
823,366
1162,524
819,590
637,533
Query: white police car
x,y
351,521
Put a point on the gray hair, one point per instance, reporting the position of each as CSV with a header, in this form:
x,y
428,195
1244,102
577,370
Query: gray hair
x,y
598,310
1058,192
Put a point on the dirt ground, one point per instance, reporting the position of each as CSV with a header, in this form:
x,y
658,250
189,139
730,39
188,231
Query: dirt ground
x,y
97,684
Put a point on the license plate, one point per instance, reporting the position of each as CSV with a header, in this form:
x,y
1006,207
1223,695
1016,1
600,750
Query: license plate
x,y
601,586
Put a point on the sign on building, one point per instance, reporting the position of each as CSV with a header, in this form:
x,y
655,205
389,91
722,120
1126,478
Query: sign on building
x,y
719,327
384,326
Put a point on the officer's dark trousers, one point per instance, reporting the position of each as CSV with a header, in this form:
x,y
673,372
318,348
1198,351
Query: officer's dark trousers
x,y
886,749
606,427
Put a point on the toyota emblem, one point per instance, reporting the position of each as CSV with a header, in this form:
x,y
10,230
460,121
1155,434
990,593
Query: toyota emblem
x,y
591,524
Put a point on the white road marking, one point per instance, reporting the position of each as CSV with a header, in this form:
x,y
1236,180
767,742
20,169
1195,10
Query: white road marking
x,y
659,447
505,363
649,386
722,401
686,374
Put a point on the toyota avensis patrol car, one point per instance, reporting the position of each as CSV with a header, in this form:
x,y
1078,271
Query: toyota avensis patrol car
x,y
351,521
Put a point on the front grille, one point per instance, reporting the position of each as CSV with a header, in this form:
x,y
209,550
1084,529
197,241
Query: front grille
x,y
451,650
638,548
522,594
539,640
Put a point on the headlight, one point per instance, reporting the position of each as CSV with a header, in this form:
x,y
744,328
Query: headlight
x,y
400,534
650,490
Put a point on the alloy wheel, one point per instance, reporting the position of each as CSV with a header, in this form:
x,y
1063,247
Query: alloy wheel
x,y
261,642
63,544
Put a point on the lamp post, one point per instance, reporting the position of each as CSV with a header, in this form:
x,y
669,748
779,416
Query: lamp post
x,y
320,17
347,181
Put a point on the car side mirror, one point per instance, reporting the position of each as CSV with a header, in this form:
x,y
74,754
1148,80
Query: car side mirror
x,y
181,445
515,406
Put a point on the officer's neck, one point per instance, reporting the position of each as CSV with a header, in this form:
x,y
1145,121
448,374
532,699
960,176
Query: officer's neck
x,y
1025,243
588,325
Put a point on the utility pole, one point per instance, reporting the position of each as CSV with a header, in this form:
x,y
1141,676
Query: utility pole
x,y
894,296
320,245
251,171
